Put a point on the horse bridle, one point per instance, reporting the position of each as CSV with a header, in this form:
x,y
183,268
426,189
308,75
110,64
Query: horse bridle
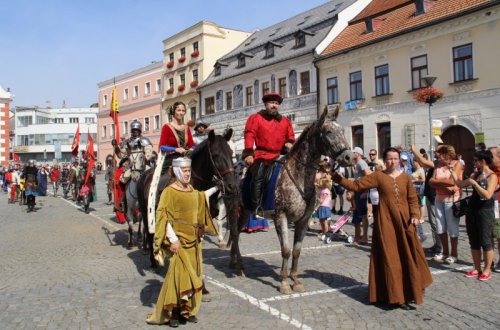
x,y
218,178
302,193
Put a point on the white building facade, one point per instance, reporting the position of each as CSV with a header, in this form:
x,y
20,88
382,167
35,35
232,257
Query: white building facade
x,y
46,135
278,59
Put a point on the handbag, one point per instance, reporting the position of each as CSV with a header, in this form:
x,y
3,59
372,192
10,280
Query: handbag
x,y
460,207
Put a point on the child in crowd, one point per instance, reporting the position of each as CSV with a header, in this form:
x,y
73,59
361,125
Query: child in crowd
x,y
324,211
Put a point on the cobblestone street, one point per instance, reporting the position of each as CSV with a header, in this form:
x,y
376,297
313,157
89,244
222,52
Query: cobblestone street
x,y
64,269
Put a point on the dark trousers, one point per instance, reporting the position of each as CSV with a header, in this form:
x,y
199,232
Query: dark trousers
x,y
258,175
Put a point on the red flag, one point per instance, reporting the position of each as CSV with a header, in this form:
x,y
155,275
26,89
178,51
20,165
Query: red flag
x,y
89,154
76,142
113,113
16,158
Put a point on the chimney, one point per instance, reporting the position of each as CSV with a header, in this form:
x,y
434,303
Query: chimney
x,y
48,104
369,25
419,7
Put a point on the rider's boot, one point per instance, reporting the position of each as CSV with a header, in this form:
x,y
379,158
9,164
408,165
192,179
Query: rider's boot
x,y
256,189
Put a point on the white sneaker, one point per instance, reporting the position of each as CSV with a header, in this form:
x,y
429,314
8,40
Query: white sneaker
x,y
450,260
438,257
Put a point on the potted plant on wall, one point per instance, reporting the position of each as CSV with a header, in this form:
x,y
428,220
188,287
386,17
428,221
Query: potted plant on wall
x,y
182,59
170,90
170,64
195,53
428,95
181,88
194,83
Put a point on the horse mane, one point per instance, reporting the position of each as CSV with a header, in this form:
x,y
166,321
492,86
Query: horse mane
x,y
302,137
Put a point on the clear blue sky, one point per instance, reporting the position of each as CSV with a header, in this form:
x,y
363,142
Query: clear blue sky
x,y
60,49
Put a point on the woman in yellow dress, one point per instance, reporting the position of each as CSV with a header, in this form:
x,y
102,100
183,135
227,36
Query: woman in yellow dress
x,y
183,216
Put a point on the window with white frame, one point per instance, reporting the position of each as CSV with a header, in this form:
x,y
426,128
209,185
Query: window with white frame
x,y
147,88
418,70
104,129
171,82
332,90
195,75
182,79
157,122
158,86
104,100
74,120
305,84
112,130
146,124
382,80
89,120
462,63
136,91
195,46
125,127
125,94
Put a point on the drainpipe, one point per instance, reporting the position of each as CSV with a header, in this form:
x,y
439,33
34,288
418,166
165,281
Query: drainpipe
x,y
317,89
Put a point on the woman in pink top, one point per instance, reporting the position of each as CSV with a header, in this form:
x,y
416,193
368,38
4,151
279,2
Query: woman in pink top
x,y
446,193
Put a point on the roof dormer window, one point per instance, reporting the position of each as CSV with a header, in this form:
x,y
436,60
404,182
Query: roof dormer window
x,y
269,50
300,40
218,67
241,61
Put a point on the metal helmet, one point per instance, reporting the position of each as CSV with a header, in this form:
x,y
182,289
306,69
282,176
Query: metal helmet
x,y
31,162
136,125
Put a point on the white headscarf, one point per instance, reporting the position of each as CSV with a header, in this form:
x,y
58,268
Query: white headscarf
x,y
177,165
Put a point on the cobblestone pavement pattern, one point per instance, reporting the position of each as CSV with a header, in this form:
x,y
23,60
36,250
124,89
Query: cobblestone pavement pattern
x,y
64,269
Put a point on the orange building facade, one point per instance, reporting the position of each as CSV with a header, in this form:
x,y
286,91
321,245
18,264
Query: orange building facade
x,y
139,98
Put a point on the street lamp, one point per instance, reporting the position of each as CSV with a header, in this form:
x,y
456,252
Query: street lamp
x,y
428,81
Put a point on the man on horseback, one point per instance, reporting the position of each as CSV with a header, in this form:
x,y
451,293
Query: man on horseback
x,y
30,176
139,149
271,133
200,131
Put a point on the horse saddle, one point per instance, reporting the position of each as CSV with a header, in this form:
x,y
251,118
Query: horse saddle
x,y
269,189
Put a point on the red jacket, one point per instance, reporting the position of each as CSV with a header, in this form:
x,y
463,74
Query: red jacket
x,y
54,175
268,134
168,138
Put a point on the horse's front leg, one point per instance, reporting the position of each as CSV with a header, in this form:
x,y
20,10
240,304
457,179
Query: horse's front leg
x,y
282,231
220,222
236,261
300,231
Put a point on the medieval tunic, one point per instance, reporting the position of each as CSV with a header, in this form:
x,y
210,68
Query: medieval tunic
x,y
268,133
398,269
184,210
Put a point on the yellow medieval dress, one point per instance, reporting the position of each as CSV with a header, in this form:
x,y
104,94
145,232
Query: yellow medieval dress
x,y
187,212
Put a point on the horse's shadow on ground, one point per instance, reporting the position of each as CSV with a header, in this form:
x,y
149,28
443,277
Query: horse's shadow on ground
x,y
255,269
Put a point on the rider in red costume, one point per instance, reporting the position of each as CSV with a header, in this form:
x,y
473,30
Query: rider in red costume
x,y
270,133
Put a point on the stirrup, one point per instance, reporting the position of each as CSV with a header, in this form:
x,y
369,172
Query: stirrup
x,y
259,213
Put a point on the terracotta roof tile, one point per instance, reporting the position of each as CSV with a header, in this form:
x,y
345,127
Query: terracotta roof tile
x,y
395,21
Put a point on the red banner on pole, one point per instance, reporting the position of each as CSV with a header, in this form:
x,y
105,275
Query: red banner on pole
x,y
89,154
76,142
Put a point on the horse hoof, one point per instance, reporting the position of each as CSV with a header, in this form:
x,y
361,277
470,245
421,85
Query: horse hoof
x,y
223,245
207,297
285,289
130,245
299,288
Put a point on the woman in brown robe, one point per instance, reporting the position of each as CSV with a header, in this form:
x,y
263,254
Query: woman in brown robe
x,y
399,272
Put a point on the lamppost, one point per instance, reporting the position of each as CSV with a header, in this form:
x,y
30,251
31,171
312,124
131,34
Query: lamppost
x,y
428,81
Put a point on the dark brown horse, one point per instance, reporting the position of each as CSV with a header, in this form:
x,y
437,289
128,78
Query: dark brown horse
x,y
211,164
295,192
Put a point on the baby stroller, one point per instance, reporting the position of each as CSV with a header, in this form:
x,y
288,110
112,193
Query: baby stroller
x,y
336,232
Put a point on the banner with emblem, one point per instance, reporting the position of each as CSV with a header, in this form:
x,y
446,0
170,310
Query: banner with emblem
x,y
113,113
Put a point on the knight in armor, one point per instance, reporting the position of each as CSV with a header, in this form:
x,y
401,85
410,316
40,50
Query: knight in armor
x,y
201,131
269,133
138,149
30,175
